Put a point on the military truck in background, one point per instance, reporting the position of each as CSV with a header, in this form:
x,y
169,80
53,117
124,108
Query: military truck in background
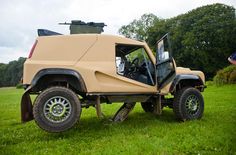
x,y
71,72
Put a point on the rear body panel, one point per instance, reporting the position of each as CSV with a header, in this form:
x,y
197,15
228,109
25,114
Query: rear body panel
x,y
56,52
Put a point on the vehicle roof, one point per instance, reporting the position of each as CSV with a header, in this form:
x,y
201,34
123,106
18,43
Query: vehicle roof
x,y
115,38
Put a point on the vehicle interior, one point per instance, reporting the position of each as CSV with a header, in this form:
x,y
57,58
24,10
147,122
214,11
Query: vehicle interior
x,y
133,62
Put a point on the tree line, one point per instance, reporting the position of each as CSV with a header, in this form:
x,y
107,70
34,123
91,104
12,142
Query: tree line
x,y
11,73
201,39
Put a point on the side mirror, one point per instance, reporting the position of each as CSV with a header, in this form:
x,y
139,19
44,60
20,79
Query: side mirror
x,y
163,49
162,55
165,55
160,47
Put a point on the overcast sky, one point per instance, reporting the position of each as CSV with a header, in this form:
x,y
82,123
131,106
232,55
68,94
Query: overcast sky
x,y
20,19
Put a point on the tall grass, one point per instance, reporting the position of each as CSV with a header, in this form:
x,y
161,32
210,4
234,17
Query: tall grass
x,y
226,75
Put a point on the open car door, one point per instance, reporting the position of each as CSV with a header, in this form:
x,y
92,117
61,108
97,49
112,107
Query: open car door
x,y
164,62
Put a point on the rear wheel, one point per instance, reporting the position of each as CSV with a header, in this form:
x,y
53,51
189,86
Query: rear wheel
x,y
149,106
188,104
56,109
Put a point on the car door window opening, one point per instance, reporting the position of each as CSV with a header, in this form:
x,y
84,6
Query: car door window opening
x,y
133,62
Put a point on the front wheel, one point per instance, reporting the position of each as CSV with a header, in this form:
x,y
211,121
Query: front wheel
x,y
56,109
188,104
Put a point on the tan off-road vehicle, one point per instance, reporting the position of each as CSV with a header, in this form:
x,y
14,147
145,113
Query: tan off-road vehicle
x,y
69,72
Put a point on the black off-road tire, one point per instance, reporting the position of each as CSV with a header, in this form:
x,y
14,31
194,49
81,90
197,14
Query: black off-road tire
x,y
53,95
148,107
183,99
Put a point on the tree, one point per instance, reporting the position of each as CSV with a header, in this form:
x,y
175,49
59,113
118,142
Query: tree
x,y
206,37
2,73
137,29
201,39
11,73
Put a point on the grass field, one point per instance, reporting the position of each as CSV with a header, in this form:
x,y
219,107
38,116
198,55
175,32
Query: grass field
x,y
141,133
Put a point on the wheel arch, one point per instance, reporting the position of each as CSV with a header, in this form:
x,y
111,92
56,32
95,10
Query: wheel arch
x,y
52,76
184,80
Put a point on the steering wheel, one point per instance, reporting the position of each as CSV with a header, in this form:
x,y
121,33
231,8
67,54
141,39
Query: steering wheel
x,y
135,62
132,68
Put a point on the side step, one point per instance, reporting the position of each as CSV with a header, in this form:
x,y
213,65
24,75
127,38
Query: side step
x,y
123,112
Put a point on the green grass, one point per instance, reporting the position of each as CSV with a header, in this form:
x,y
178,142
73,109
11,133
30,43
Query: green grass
x,y
141,133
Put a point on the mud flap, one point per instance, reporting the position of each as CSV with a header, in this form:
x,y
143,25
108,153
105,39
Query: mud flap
x,y
123,112
26,107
